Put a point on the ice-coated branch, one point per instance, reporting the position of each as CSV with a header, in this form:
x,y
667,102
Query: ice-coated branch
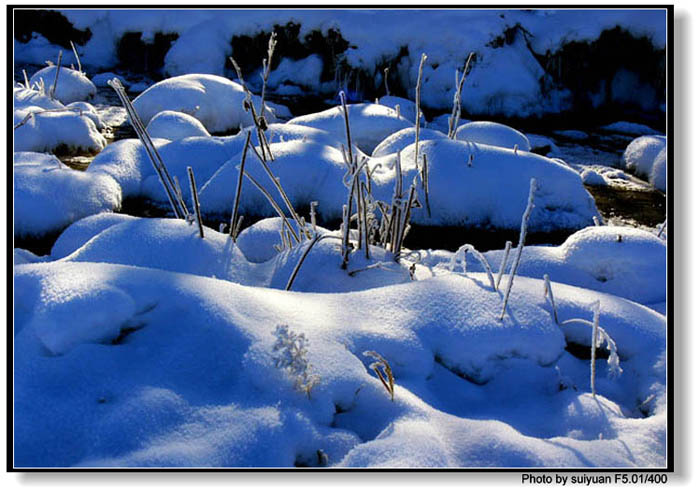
x,y
296,269
549,294
457,102
77,58
347,125
424,181
418,113
267,64
386,80
273,203
195,201
239,187
504,261
52,92
174,198
462,251
521,243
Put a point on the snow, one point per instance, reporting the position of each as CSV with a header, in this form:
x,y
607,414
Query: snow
x,y
641,153
591,178
72,85
407,108
173,125
629,128
305,73
101,79
403,138
658,171
369,123
198,386
49,196
215,101
490,133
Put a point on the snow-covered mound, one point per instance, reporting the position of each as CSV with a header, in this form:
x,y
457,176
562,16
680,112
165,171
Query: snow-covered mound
x,y
173,125
658,171
26,97
49,195
87,109
407,108
640,154
592,178
72,85
482,185
490,133
284,132
628,128
201,382
622,261
128,162
23,256
58,130
215,101
369,123
402,138
78,233
307,172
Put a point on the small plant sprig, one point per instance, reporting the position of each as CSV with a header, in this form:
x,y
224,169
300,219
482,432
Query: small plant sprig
x,y
457,102
549,294
52,92
504,261
598,335
418,112
195,201
77,58
462,253
387,378
235,219
291,350
521,243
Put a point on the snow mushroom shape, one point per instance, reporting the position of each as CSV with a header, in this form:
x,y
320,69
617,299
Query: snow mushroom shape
x,y
72,85
173,125
496,134
369,123
640,154
215,101
48,131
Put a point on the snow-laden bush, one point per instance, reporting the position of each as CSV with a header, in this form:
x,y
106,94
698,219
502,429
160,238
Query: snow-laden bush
x,y
72,85
49,195
496,134
215,101
173,125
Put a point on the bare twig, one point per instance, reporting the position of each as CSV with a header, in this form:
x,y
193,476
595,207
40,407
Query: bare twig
x,y
457,103
195,201
239,187
418,113
52,92
77,58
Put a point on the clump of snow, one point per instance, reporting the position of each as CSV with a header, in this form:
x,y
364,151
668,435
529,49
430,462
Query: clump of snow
x,y
369,123
72,85
407,108
78,233
257,242
658,171
64,130
496,134
591,178
304,73
215,101
88,110
285,132
402,138
23,256
49,195
27,97
192,51
173,125
622,261
640,154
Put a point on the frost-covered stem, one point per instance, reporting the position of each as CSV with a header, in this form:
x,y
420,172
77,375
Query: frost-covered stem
x,y
596,221
365,228
345,244
77,58
387,382
663,227
195,201
26,78
293,276
464,249
424,180
273,203
521,243
312,214
176,201
594,342
239,187
418,84
52,92
249,106
237,228
457,102
282,193
504,261
24,121
549,293
347,125
266,68
403,227
614,369
386,80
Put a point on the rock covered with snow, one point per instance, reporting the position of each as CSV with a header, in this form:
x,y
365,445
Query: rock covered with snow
x,y
592,178
72,85
49,195
215,101
490,133
658,171
173,125
640,154
369,123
